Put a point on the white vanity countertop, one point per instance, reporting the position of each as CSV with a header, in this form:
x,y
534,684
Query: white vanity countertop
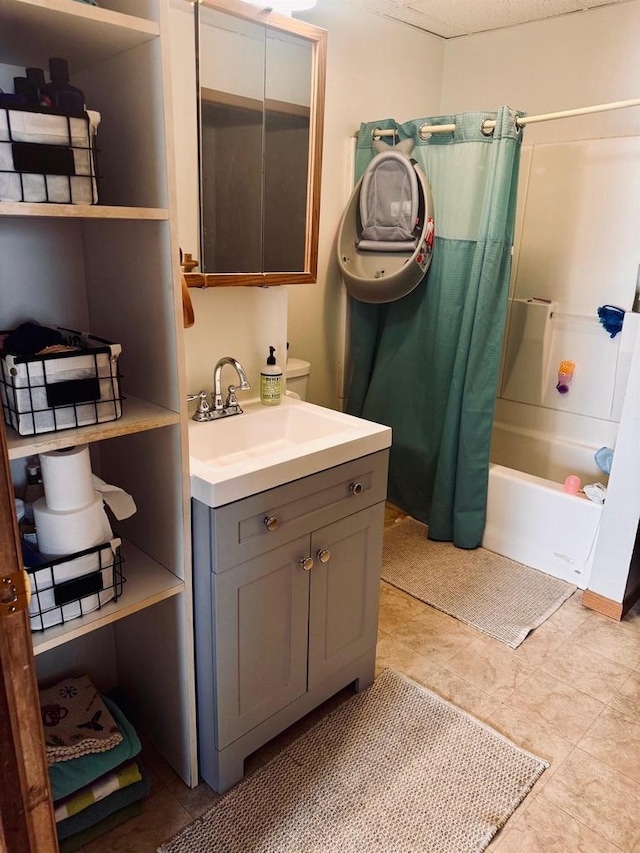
x,y
267,446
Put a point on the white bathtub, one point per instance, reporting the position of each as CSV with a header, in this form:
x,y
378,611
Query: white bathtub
x,y
530,518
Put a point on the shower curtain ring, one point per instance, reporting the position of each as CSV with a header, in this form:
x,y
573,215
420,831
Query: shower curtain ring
x,y
379,133
486,131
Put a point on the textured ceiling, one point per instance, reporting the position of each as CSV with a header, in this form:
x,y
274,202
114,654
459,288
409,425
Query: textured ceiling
x,y
451,18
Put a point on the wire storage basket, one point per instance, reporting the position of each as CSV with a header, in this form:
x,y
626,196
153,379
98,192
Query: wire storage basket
x,y
45,393
68,587
47,156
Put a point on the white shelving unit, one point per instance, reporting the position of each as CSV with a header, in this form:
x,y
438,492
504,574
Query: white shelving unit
x,y
112,269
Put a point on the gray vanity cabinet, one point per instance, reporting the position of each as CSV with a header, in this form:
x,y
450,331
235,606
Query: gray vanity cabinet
x,y
287,616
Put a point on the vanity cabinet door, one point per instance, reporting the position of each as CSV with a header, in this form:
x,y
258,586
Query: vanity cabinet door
x,y
343,609
261,611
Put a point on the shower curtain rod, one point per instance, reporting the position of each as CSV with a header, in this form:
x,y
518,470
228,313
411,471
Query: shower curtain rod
x,y
426,130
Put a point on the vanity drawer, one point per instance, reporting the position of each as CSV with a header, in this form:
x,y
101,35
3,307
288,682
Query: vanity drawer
x,y
239,530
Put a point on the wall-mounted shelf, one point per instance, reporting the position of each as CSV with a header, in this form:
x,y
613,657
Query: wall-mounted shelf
x,y
147,583
138,416
85,35
80,211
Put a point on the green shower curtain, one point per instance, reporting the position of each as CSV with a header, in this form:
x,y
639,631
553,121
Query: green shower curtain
x,y
427,365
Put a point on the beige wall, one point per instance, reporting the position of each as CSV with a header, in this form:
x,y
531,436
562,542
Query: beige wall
x,y
572,61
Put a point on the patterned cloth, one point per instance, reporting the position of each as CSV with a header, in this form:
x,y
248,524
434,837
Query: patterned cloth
x,y
76,721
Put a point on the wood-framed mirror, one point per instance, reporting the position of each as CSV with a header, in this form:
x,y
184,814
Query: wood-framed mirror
x,y
261,82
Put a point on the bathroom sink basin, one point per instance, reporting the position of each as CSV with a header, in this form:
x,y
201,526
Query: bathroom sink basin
x,y
265,446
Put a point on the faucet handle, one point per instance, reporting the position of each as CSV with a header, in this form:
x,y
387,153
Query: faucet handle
x,y
202,412
232,401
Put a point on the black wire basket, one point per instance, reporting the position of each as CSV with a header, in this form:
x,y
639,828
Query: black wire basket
x,y
47,393
69,587
47,156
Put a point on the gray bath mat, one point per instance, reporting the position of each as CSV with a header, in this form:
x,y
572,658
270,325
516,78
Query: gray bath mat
x,y
494,594
395,769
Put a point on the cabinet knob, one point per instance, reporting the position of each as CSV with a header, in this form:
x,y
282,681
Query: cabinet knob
x,y
306,563
324,555
356,488
271,522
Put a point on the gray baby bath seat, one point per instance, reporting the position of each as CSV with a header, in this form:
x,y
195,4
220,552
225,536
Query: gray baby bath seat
x,y
385,240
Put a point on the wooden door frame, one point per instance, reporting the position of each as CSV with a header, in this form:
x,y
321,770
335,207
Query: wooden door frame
x,y
26,812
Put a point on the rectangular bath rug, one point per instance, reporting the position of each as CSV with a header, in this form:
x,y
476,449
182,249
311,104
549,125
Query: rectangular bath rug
x,y
395,769
492,593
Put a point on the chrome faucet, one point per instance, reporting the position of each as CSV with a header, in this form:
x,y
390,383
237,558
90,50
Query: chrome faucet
x,y
230,406
220,408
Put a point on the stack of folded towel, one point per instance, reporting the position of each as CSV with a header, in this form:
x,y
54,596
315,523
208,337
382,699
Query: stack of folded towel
x,y
91,747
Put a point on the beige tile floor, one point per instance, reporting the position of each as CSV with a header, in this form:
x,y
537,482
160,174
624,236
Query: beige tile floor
x,y
570,693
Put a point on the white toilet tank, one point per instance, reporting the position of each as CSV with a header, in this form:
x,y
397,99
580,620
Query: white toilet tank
x,y
297,374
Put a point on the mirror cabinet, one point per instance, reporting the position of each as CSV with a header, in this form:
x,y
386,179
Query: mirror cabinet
x,y
261,79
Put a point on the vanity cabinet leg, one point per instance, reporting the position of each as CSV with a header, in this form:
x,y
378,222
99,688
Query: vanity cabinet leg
x,y
230,768
367,672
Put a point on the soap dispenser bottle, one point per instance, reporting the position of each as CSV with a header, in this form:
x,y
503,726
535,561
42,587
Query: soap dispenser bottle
x,y
271,381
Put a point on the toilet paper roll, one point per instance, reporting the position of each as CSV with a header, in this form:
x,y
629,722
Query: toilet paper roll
x,y
67,478
62,533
